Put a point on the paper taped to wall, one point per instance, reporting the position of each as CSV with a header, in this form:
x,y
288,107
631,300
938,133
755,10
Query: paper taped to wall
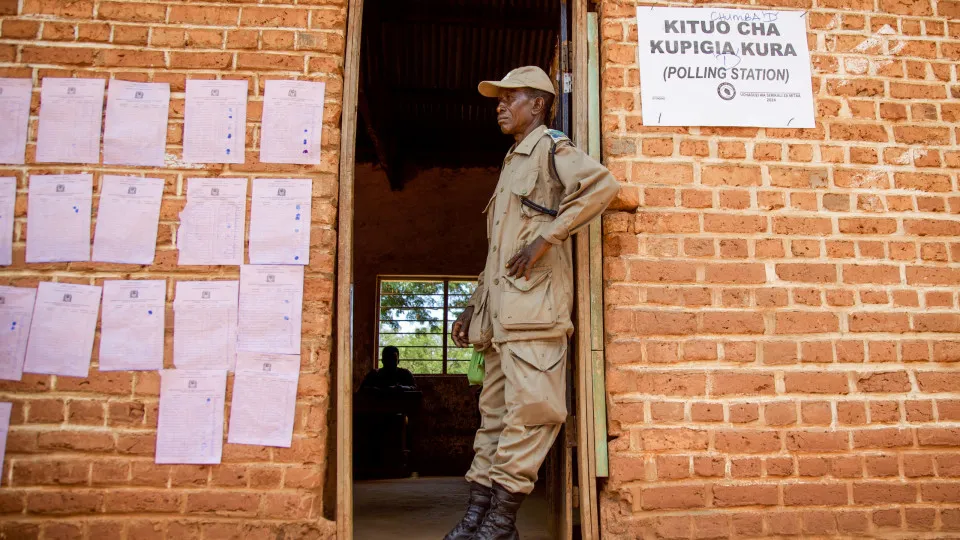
x,y
280,221
264,399
213,221
58,217
62,329
16,312
127,220
71,111
190,424
131,329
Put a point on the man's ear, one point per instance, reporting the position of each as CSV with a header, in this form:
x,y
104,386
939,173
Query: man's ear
x,y
538,105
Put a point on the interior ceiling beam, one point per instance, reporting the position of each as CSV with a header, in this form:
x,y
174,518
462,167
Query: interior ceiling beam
x,y
480,21
378,130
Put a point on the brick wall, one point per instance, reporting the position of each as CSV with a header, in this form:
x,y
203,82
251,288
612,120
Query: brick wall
x,y
80,452
781,304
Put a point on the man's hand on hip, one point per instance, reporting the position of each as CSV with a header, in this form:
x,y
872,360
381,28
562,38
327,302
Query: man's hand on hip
x,y
523,262
461,328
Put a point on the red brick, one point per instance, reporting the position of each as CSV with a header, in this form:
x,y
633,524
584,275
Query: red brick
x,y
673,497
816,383
745,495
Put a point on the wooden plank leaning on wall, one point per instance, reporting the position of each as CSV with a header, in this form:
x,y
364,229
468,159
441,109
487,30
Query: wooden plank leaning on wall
x,y
344,335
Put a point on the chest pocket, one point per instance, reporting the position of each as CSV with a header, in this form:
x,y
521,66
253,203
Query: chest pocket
x,y
488,210
536,196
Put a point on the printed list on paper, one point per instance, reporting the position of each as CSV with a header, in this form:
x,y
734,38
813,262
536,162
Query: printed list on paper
x,y
131,329
8,203
280,221
127,220
136,131
205,325
15,111
16,312
292,122
271,306
264,399
58,217
71,111
190,425
212,222
62,329
215,119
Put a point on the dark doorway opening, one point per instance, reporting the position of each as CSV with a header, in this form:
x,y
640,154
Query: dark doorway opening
x,y
427,160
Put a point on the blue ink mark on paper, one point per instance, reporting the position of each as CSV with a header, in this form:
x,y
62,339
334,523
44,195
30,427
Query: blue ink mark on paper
x,y
229,135
228,225
306,152
208,401
14,323
296,230
228,151
231,117
286,301
286,318
298,217
304,141
296,257
298,207
149,312
304,131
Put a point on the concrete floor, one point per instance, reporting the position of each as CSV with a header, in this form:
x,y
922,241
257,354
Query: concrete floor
x,y
427,508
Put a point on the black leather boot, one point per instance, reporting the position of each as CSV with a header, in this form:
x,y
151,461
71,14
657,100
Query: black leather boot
x,y
500,522
477,508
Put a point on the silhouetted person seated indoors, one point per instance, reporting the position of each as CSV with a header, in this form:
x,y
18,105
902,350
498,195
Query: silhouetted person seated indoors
x,y
390,376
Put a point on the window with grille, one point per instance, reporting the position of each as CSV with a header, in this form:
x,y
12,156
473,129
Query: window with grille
x,y
416,315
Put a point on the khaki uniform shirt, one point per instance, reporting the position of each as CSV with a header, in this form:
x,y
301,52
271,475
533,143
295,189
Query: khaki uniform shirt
x,y
514,308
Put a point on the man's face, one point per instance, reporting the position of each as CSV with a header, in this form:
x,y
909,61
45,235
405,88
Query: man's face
x,y
515,110
391,359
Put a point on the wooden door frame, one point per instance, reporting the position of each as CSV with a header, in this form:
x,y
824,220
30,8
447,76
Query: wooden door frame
x,y
345,285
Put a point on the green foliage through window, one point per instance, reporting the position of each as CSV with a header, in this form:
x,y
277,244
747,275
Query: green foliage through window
x,y
416,316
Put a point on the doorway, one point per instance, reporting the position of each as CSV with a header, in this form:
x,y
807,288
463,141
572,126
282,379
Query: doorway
x,y
428,152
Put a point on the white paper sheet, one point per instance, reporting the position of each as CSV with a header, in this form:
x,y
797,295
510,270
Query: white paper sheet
x,y
215,120
212,222
62,329
16,311
58,217
5,410
264,399
136,131
292,125
190,424
127,220
280,221
15,112
271,306
205,324
70,114
131,329
8,203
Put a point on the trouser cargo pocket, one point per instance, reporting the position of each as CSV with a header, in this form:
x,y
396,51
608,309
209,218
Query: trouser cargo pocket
x,y
536,381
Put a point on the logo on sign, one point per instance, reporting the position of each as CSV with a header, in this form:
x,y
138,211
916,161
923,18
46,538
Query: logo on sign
x,y
68,298
205,295
726,91
138,94
191,384
271,278
281,192
267,367
292,93
71,91
215,93
132,190
134,294
61,188
214,191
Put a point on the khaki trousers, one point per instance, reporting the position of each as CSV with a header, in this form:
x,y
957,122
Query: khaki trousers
x,y
522,405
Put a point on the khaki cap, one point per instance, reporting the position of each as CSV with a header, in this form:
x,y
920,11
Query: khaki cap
x,y
522,77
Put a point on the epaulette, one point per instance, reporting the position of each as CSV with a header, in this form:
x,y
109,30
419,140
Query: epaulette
x,y
558,136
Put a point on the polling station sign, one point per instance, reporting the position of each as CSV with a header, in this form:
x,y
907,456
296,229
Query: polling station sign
x,y
724,67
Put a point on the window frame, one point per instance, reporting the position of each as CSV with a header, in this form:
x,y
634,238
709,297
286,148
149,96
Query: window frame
x,y
446,279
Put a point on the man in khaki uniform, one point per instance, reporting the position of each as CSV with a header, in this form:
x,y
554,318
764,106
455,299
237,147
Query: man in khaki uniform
x,y
520,313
